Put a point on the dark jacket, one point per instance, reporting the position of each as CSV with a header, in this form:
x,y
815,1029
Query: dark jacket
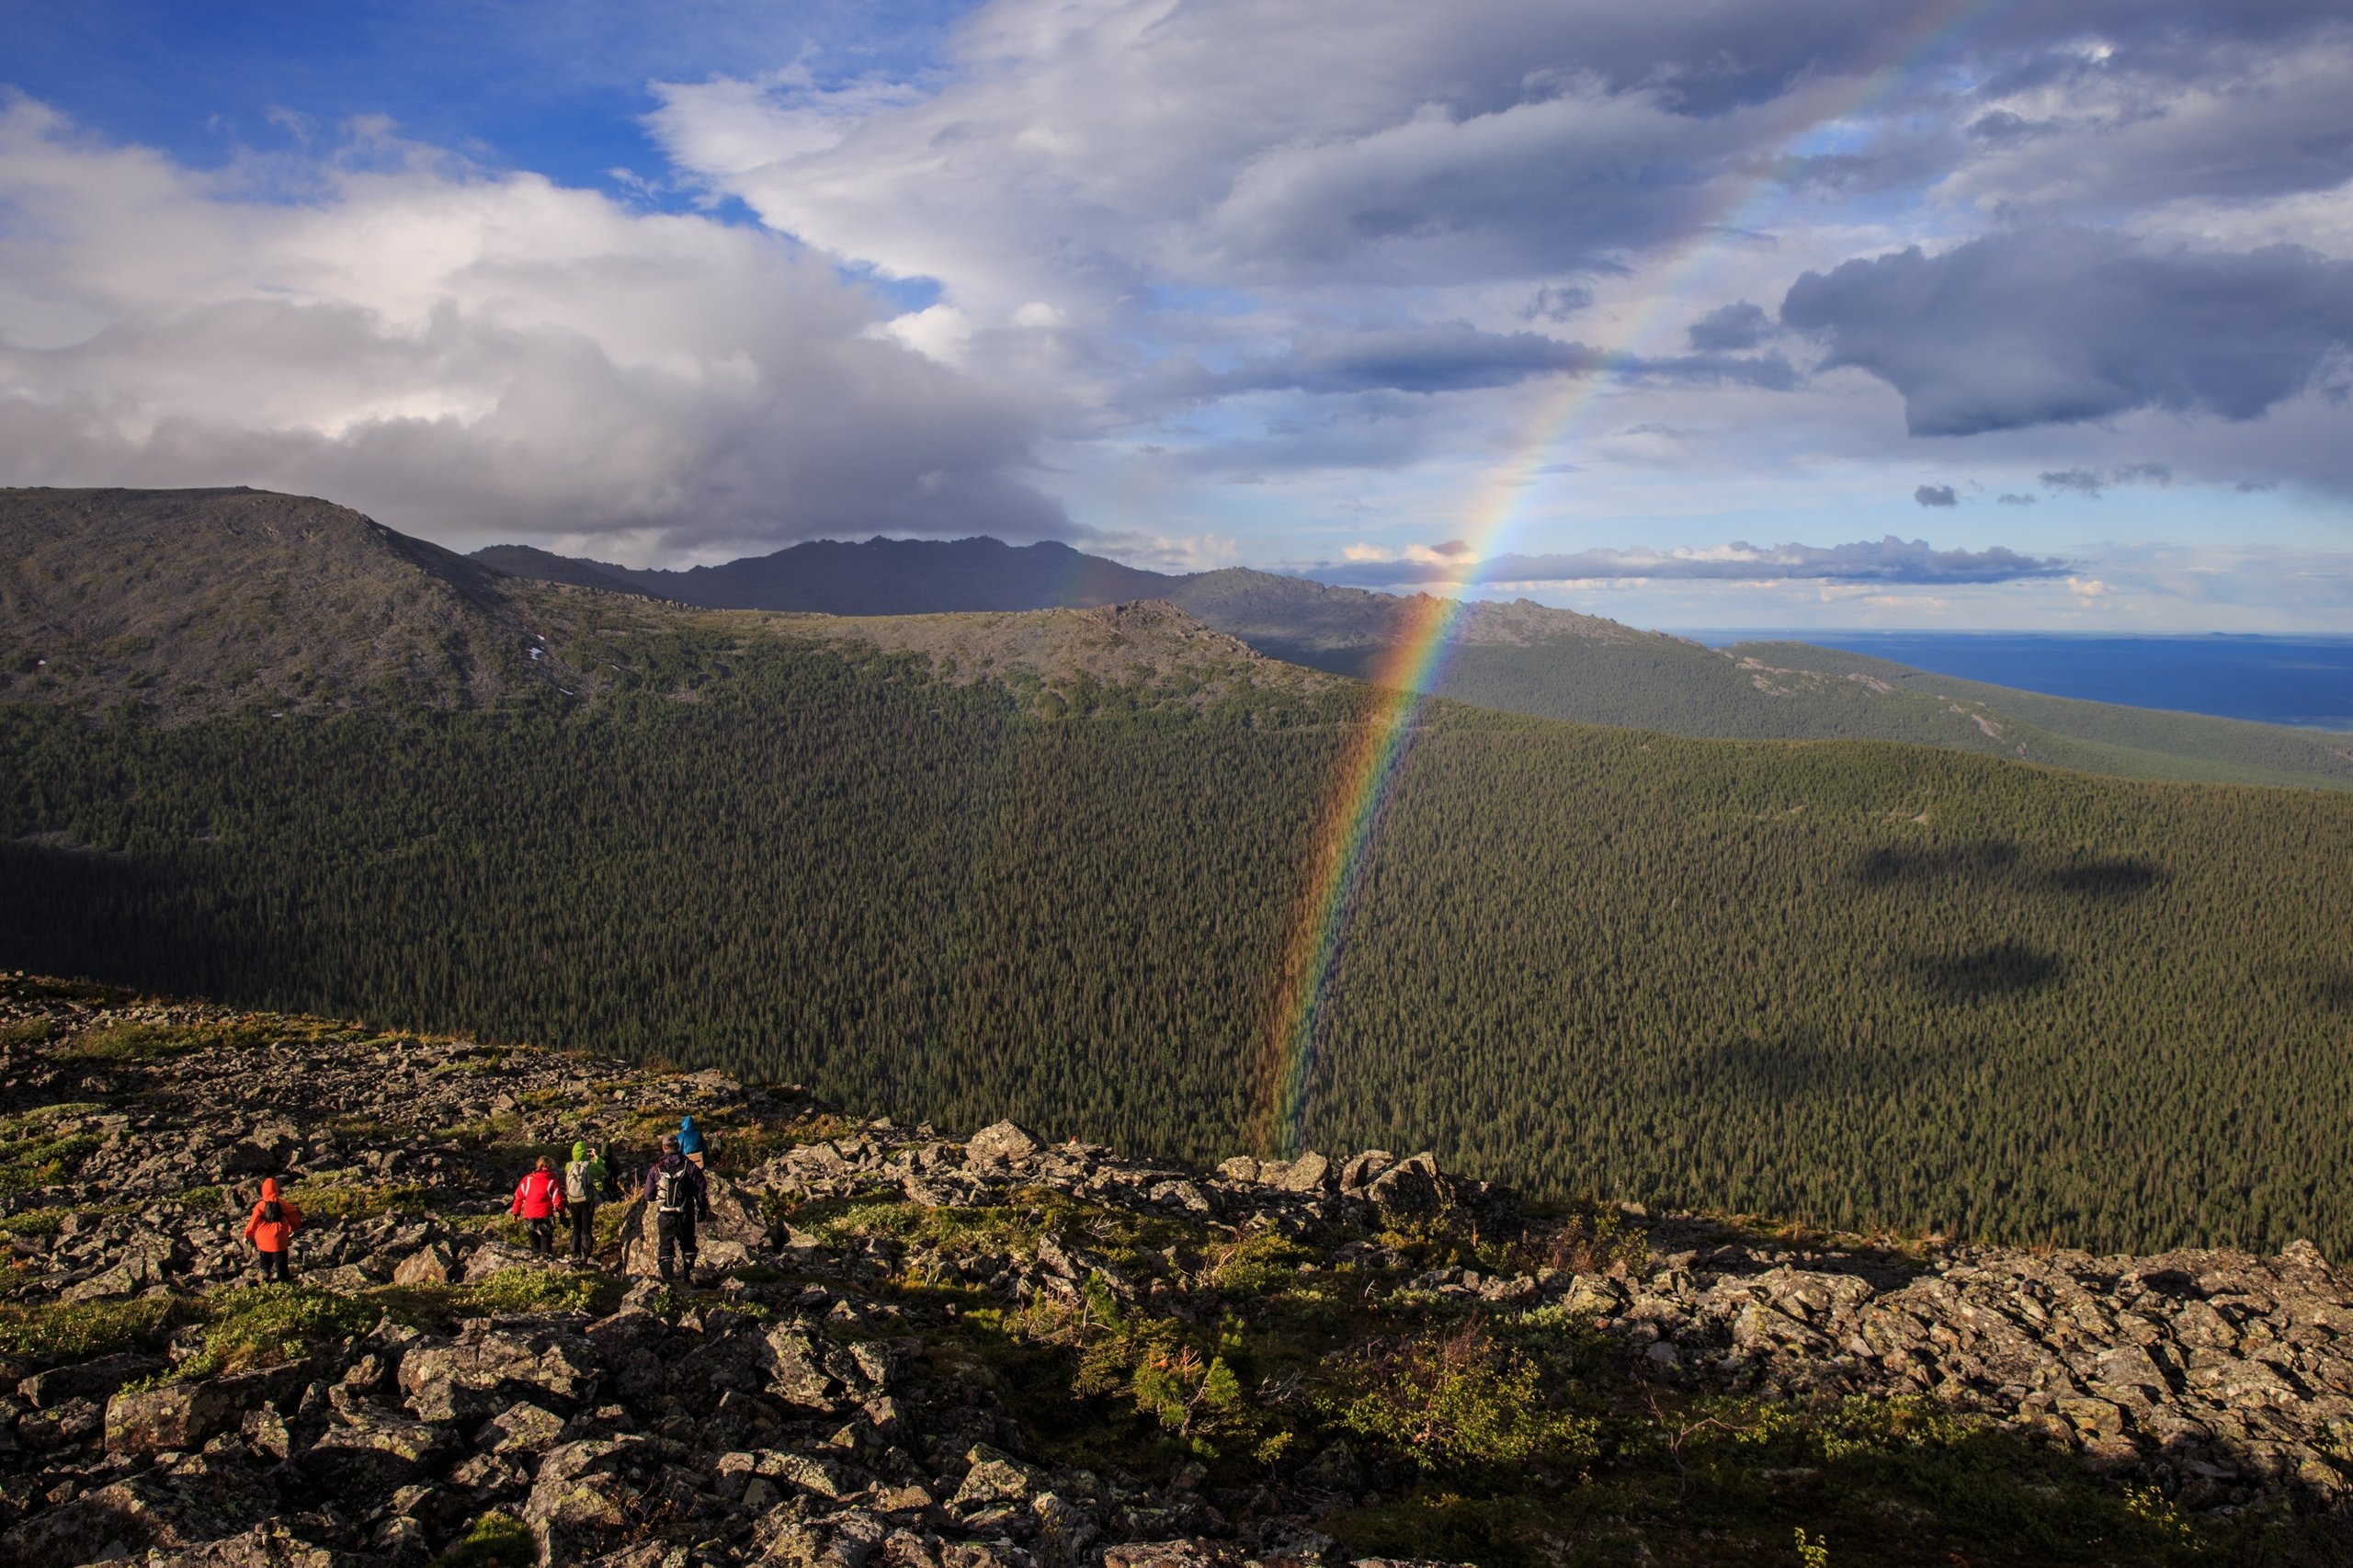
x,y
690,1176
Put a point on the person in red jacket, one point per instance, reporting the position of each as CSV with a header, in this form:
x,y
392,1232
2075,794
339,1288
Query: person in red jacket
x,y
539,1199
271,1229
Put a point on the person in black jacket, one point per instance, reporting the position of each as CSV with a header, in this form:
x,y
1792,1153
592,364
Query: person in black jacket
x,y
676,1191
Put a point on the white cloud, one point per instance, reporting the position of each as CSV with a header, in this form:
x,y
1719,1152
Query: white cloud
x,y
470,356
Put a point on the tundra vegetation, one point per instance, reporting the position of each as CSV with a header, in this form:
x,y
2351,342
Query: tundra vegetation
x,y
915,1348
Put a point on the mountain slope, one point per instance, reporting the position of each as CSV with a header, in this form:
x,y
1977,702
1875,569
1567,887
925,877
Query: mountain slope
x,y
1869,983
1519,656
189,604
193,601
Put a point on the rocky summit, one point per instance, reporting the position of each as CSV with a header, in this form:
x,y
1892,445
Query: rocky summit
x,y
903,1348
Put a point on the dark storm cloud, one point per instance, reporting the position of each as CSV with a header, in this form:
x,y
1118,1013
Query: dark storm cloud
x,y
1889,560
1730,328
1456,357
1936,496
2060,326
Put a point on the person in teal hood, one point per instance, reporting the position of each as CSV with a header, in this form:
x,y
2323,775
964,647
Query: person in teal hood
x,y
690,1141
584,1183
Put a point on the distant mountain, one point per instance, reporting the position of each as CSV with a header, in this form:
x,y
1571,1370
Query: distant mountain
x,y
881,576
186,603
1519,656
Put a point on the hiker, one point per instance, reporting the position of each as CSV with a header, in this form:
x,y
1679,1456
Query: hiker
x,y
271,1229
584,1181
539,1199
677,1192
691,1143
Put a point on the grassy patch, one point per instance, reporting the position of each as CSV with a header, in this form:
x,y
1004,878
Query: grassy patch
x,y
26,1031
76,1331
320,1200
119,1043
508,1290
254,1325
36,1147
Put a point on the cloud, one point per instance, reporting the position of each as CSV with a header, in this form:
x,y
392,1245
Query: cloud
x,y
2088,591
2083,481
470,354
2061,326
2010,499
1456,357
1936,496
1730,328
1889,560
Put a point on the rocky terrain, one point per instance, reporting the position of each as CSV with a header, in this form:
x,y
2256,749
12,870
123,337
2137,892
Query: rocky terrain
x,y
906,1348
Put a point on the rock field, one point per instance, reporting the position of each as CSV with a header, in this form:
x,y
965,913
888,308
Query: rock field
x,y
428,1384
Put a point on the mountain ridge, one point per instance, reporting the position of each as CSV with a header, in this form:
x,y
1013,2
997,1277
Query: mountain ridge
x,y
1521,658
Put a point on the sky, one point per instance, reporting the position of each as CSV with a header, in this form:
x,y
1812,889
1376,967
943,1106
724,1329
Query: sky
x,y
1837,313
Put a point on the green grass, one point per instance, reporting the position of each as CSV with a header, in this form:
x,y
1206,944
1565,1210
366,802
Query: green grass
x,y
77,1330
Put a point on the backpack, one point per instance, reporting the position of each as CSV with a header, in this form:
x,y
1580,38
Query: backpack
x,y
273,1211
670,1189
577,1188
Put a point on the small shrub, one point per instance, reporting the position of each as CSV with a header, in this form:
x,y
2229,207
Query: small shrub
x,y
1192,1392
1457,1402
26,1031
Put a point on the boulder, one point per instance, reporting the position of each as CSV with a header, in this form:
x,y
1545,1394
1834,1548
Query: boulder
x,y
494,1257
175,1416
583,1503
1309,1173
426,1266
91,1379
1001,1144
997,1477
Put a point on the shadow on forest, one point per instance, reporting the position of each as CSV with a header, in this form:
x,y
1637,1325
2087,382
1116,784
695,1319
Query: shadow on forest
x,y
1794,1064
2114,877
75,912
1889,867
2124,877
2001,969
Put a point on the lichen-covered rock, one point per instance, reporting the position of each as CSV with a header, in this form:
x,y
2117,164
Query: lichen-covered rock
x,y
1000,1144
175,1416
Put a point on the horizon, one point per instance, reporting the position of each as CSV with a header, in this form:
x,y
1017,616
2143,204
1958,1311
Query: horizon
x,y
1964,315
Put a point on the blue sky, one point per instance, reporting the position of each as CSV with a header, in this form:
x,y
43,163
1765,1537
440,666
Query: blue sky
x,y
1604,304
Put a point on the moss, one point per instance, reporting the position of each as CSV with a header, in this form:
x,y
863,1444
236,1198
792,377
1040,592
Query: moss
x,y
494,1540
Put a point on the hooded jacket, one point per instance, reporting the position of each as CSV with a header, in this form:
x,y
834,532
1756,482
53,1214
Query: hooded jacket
x,y
689,1136
594,1180
267,1235
539,1196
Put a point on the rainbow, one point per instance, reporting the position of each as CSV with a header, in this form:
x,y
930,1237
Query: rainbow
x,y
1414,662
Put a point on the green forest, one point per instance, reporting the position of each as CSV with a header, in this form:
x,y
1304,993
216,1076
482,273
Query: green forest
x,y
1862,985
